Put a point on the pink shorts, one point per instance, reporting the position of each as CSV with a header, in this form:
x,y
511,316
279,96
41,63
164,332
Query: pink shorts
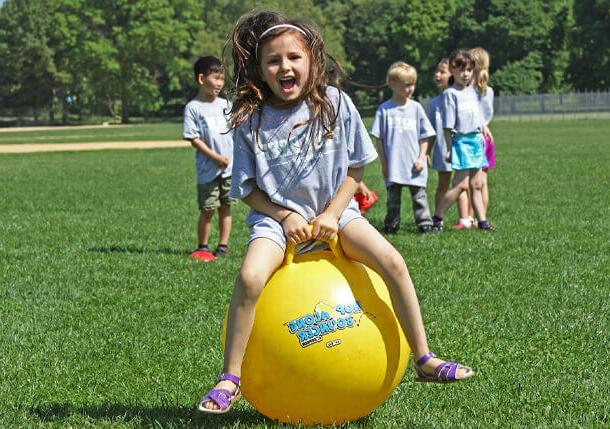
x,y
490,153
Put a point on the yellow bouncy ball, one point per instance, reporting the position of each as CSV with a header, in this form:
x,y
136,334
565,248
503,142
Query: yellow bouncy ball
x,y
326,346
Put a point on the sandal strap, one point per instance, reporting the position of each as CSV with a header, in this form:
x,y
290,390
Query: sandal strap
x,y
229,377
221,397
446,371
425,358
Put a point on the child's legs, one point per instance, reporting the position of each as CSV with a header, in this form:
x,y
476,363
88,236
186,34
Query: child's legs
x,y
460,184
444,177
262,258
485,191
224,211
463,203
476,183
224,223
419,200
204,226
207,198
363,243
392,218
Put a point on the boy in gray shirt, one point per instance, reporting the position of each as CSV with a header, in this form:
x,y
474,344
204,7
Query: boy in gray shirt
x,y
206,127
403,131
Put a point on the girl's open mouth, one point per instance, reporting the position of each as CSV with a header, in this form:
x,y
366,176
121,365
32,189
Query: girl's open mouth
x,y
287,84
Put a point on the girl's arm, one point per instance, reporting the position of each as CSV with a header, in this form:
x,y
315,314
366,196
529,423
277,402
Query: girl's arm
x,y
326,225
448,141
296,228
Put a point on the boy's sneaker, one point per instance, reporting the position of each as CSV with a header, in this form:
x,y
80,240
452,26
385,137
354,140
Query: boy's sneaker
x,y
203,254
221,251
437,224
425,229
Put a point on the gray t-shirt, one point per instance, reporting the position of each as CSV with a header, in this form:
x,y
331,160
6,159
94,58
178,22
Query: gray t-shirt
x,y
305,173
435,115
401,127
487,105
207,121
462,110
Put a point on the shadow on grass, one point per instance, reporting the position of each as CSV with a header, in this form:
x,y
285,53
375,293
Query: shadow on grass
x,y
160,416
163,416
137,250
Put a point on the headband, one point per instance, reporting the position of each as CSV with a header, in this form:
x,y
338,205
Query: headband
x,y
273,27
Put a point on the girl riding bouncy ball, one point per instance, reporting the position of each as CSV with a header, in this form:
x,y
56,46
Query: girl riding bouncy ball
x,y
300,151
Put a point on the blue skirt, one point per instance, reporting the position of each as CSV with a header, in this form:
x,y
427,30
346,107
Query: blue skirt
x,y
468,151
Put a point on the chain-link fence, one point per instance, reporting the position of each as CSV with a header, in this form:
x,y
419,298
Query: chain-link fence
x,y
550,106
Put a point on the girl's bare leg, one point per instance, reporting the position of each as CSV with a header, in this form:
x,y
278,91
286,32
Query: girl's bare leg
x,y
476,184
262,258
204,226
460,184
485,191
363,243
444,178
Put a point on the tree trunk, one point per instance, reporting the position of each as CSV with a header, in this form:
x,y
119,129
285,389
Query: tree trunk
x,y
124,107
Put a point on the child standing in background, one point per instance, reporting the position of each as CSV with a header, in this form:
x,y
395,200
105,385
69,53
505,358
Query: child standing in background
x,y
486,97
403,132
463,125
206,127
439,146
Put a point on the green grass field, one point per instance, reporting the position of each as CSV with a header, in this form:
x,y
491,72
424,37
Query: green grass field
x,y
104,322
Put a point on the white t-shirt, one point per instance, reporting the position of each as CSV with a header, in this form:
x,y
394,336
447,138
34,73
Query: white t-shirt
x,y
207,121
304,174
401,127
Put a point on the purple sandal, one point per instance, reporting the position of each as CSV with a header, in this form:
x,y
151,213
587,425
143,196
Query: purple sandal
x,y
443,373
221,397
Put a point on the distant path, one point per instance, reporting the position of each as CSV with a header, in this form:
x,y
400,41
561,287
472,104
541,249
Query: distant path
x,y
78,147
60,127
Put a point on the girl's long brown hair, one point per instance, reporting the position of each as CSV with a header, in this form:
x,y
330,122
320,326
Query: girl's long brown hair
x,y
251,92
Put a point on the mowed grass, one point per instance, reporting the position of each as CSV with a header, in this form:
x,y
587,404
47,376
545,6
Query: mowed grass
x,y
104,322
112,133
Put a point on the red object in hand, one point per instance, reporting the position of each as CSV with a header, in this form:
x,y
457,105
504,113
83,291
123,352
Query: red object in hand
x,y
363,203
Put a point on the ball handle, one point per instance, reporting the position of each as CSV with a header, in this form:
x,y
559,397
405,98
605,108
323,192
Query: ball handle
x,y
333,243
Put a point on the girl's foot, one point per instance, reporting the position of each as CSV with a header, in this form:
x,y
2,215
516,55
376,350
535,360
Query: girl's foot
x,y
221,398
431,369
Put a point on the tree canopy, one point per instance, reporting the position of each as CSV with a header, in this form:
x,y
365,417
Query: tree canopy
x,y
129,58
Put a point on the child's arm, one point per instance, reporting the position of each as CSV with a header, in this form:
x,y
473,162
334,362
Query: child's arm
x,y
207,151
326,224
382,158
448,141
296,228
420,162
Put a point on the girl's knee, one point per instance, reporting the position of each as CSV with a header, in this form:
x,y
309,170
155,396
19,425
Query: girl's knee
x,y
393,263
251,281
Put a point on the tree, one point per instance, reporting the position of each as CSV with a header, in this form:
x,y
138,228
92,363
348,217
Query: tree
x,y
135,47
590,54
26,68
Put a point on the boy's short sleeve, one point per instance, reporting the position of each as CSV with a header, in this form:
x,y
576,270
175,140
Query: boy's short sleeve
x,y
377,123
449,110
425,127
190,129
243,178
359,145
